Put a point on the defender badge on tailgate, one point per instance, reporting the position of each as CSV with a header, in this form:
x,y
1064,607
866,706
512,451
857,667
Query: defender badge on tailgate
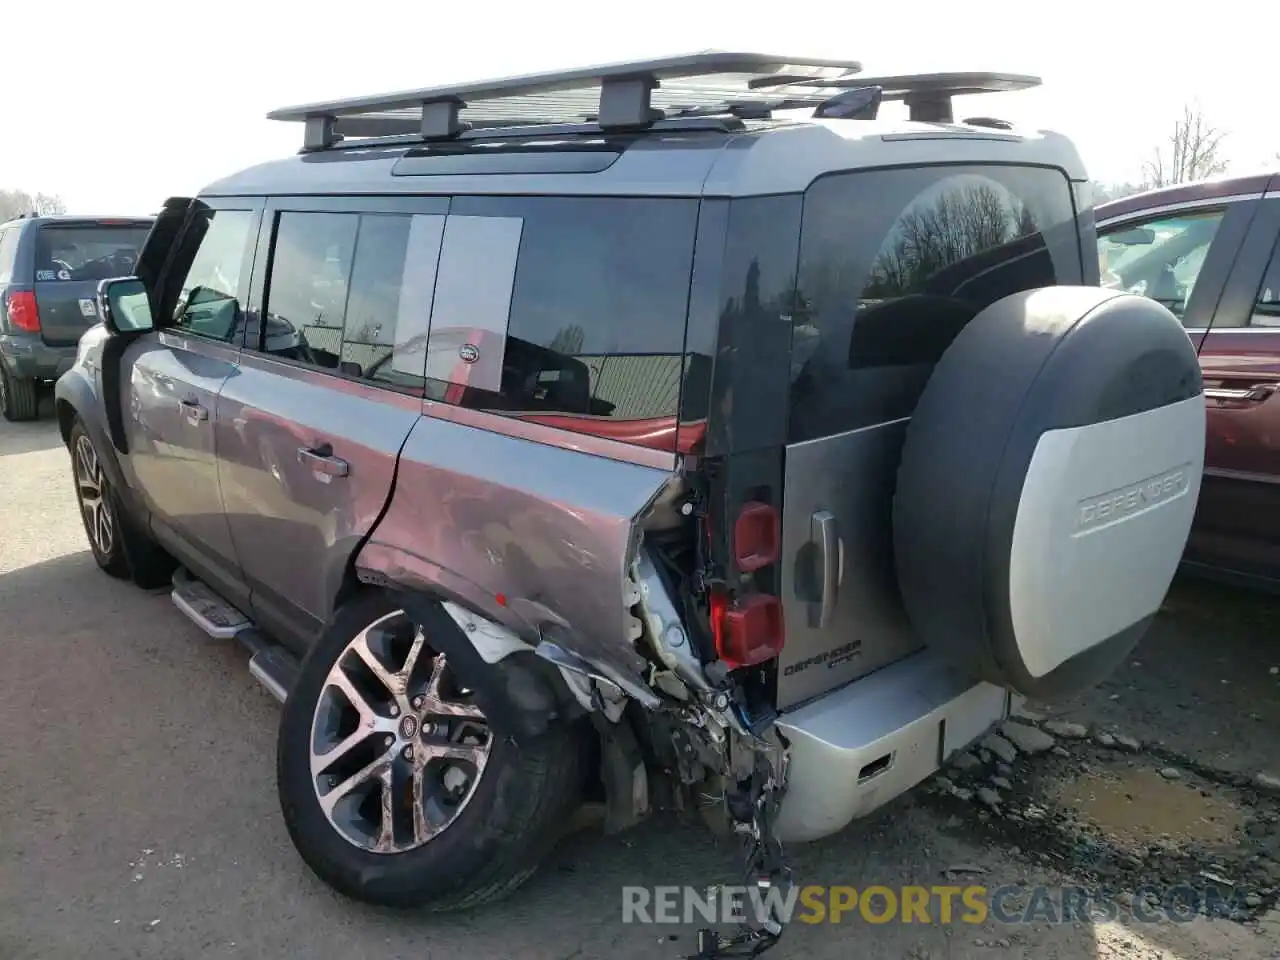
x,y
832,658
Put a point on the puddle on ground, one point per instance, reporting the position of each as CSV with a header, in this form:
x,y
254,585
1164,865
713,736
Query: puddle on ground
x,y
1134,806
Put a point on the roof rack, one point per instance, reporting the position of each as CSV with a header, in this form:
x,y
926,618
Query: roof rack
x,y
618,96
928,95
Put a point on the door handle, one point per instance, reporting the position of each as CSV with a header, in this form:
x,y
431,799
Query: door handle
x,y
823,533
194,410
322,462
1257,392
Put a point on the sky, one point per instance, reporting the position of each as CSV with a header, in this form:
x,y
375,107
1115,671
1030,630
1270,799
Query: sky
x,y
115,108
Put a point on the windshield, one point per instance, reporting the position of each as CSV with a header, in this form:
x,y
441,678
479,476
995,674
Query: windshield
x,y
88,251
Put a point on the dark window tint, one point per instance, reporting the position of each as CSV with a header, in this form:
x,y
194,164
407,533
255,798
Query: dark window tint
x,y
894,263
352,293
8,253
1266,310
566,307
88,252
208,302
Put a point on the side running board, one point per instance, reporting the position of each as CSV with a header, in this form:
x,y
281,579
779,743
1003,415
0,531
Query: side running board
x,y
269,663
207,610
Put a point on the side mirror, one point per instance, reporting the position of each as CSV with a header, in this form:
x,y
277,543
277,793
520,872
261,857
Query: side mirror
x,y
124,305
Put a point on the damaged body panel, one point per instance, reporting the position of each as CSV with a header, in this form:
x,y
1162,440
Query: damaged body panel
x,y
535,537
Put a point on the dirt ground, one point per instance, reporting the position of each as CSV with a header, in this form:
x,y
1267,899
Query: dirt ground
x,y
138,816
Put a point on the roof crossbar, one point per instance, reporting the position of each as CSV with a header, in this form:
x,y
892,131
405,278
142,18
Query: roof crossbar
x,y
928,95
619,96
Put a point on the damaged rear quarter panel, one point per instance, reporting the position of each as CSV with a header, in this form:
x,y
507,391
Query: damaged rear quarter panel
x,y
534,536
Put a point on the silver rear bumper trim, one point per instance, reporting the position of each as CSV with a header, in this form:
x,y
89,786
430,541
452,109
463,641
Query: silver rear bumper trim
x,y
860,746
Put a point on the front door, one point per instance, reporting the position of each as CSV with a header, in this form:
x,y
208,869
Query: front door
x,y
330,384
174,377
893,264
1238,519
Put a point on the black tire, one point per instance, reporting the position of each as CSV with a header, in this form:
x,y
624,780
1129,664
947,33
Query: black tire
x,y
130,553
511,822
19,399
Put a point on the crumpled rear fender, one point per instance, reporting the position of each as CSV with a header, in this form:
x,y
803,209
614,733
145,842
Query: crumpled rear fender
x,y
535,537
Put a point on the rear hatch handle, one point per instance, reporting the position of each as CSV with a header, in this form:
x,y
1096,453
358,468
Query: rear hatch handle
x,y
823,533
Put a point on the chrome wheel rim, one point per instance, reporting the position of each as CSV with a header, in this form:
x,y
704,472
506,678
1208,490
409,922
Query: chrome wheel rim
x,y
397,747
91,491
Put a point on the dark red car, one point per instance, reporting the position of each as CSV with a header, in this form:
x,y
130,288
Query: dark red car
x,y
1209,251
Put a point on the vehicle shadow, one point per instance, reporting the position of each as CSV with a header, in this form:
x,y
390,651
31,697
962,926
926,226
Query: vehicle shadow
x,y
30,436
180,757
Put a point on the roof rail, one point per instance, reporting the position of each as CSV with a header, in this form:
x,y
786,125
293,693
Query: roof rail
x,y
618,96
928,95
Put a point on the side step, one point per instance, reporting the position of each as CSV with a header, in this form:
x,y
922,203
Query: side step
x,y
269,663
207,610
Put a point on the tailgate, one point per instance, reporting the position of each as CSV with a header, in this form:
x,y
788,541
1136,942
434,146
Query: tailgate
x,y
67,309
71,258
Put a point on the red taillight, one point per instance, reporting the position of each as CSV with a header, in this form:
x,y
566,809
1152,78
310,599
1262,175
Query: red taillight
x,y
749,632
23,314
756,536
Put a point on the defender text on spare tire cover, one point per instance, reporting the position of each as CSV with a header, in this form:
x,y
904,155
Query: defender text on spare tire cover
x,y
1047,486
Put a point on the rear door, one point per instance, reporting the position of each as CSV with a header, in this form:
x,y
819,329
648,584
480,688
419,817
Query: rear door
x,y
893,263
71,258
330,382
1238,519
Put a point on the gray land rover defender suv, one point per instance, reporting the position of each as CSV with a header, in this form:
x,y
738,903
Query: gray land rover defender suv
x,y
678,428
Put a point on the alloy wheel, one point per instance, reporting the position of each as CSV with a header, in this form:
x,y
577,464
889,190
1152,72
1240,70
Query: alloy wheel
x,y
397,747
91,491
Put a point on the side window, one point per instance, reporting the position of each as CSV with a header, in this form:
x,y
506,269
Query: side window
x,y
569,311
208,303
894,263
1266,309
8,253
351,293
1159,258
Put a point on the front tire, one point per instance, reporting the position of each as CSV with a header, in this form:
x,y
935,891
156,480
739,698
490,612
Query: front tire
x,y
117,546
99,507
394,789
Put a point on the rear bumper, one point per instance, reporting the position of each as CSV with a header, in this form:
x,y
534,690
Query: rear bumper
x,y
30,358
860,746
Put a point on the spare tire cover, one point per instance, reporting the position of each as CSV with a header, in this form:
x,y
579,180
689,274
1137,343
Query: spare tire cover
x,y
1047,486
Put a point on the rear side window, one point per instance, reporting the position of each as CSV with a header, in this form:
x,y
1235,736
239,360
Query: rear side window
x,y
894,263
87,251
569,311
351,293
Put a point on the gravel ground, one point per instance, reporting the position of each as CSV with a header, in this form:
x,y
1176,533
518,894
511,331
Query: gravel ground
x,y
139,819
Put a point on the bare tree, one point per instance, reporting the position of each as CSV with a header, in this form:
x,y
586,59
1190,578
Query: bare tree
x,y
17,203
1192,153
